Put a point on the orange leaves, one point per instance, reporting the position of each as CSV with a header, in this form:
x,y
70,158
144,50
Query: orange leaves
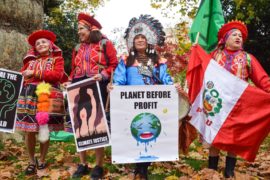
x,y
176,63
187,170
206,174
62,160
6,173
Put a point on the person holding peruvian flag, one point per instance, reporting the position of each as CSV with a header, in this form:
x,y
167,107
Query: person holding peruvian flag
x,y
230,114
231,56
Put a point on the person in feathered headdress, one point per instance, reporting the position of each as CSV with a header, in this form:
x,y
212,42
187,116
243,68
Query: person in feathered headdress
x,y
95,57
43,69
230,55
143,66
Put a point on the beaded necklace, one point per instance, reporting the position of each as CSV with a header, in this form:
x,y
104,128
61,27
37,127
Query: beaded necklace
x,y
145,68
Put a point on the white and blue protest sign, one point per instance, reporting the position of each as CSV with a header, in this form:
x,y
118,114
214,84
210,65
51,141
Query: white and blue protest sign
x,y
144,123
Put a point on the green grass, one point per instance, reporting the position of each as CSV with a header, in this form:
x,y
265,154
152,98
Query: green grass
x,y
53,147
195,144
18,166
266,144
12,158
195,163
76,159
50,160
90,159
55,166
2,147
175,173
71,148
157,176
21,175
108,151
111,168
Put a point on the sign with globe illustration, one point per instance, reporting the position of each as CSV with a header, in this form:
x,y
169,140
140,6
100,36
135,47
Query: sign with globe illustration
x,y
144,123
145,127
10,87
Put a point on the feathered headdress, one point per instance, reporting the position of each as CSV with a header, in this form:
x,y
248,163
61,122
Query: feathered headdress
x,y
147,26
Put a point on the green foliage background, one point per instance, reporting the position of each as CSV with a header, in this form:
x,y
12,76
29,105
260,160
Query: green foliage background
x,y
256,13
62,20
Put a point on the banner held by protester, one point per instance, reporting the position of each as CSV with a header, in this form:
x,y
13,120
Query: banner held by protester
x,y
10,88
144,121
87,114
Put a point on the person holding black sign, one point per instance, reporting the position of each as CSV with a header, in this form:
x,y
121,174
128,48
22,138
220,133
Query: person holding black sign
x,y
95,57
40,105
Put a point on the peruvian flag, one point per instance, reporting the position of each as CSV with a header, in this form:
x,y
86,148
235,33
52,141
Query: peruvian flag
x,y
229,113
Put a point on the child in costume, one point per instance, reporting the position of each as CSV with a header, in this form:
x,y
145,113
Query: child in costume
x,y
40,106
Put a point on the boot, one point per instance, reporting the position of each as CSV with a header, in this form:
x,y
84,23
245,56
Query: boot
x,y
229,168
142,170
213,162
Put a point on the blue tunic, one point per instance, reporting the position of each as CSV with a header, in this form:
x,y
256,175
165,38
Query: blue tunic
x,y
130,76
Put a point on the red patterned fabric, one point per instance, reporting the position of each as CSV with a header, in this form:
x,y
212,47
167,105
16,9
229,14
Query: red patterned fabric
x,y
27,109
88,60
48,69
236,62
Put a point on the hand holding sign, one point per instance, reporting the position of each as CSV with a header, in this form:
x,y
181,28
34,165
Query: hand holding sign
x,y
28,73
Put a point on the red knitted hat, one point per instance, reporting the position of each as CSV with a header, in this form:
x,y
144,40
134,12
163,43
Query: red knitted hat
x,y
89,20
41,34
233,25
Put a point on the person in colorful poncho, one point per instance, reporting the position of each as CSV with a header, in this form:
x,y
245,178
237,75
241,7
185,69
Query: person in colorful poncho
x,y
43,69
95,57
230,55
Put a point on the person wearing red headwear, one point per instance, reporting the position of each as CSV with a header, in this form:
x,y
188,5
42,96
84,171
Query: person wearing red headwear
x,y
230,55
43,63
96,58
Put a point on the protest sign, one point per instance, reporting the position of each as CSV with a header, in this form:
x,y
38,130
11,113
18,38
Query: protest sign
x,y
10,88
87,115
144,122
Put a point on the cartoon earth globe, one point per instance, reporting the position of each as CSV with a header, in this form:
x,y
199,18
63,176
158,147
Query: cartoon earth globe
x,y
7,91
145,127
